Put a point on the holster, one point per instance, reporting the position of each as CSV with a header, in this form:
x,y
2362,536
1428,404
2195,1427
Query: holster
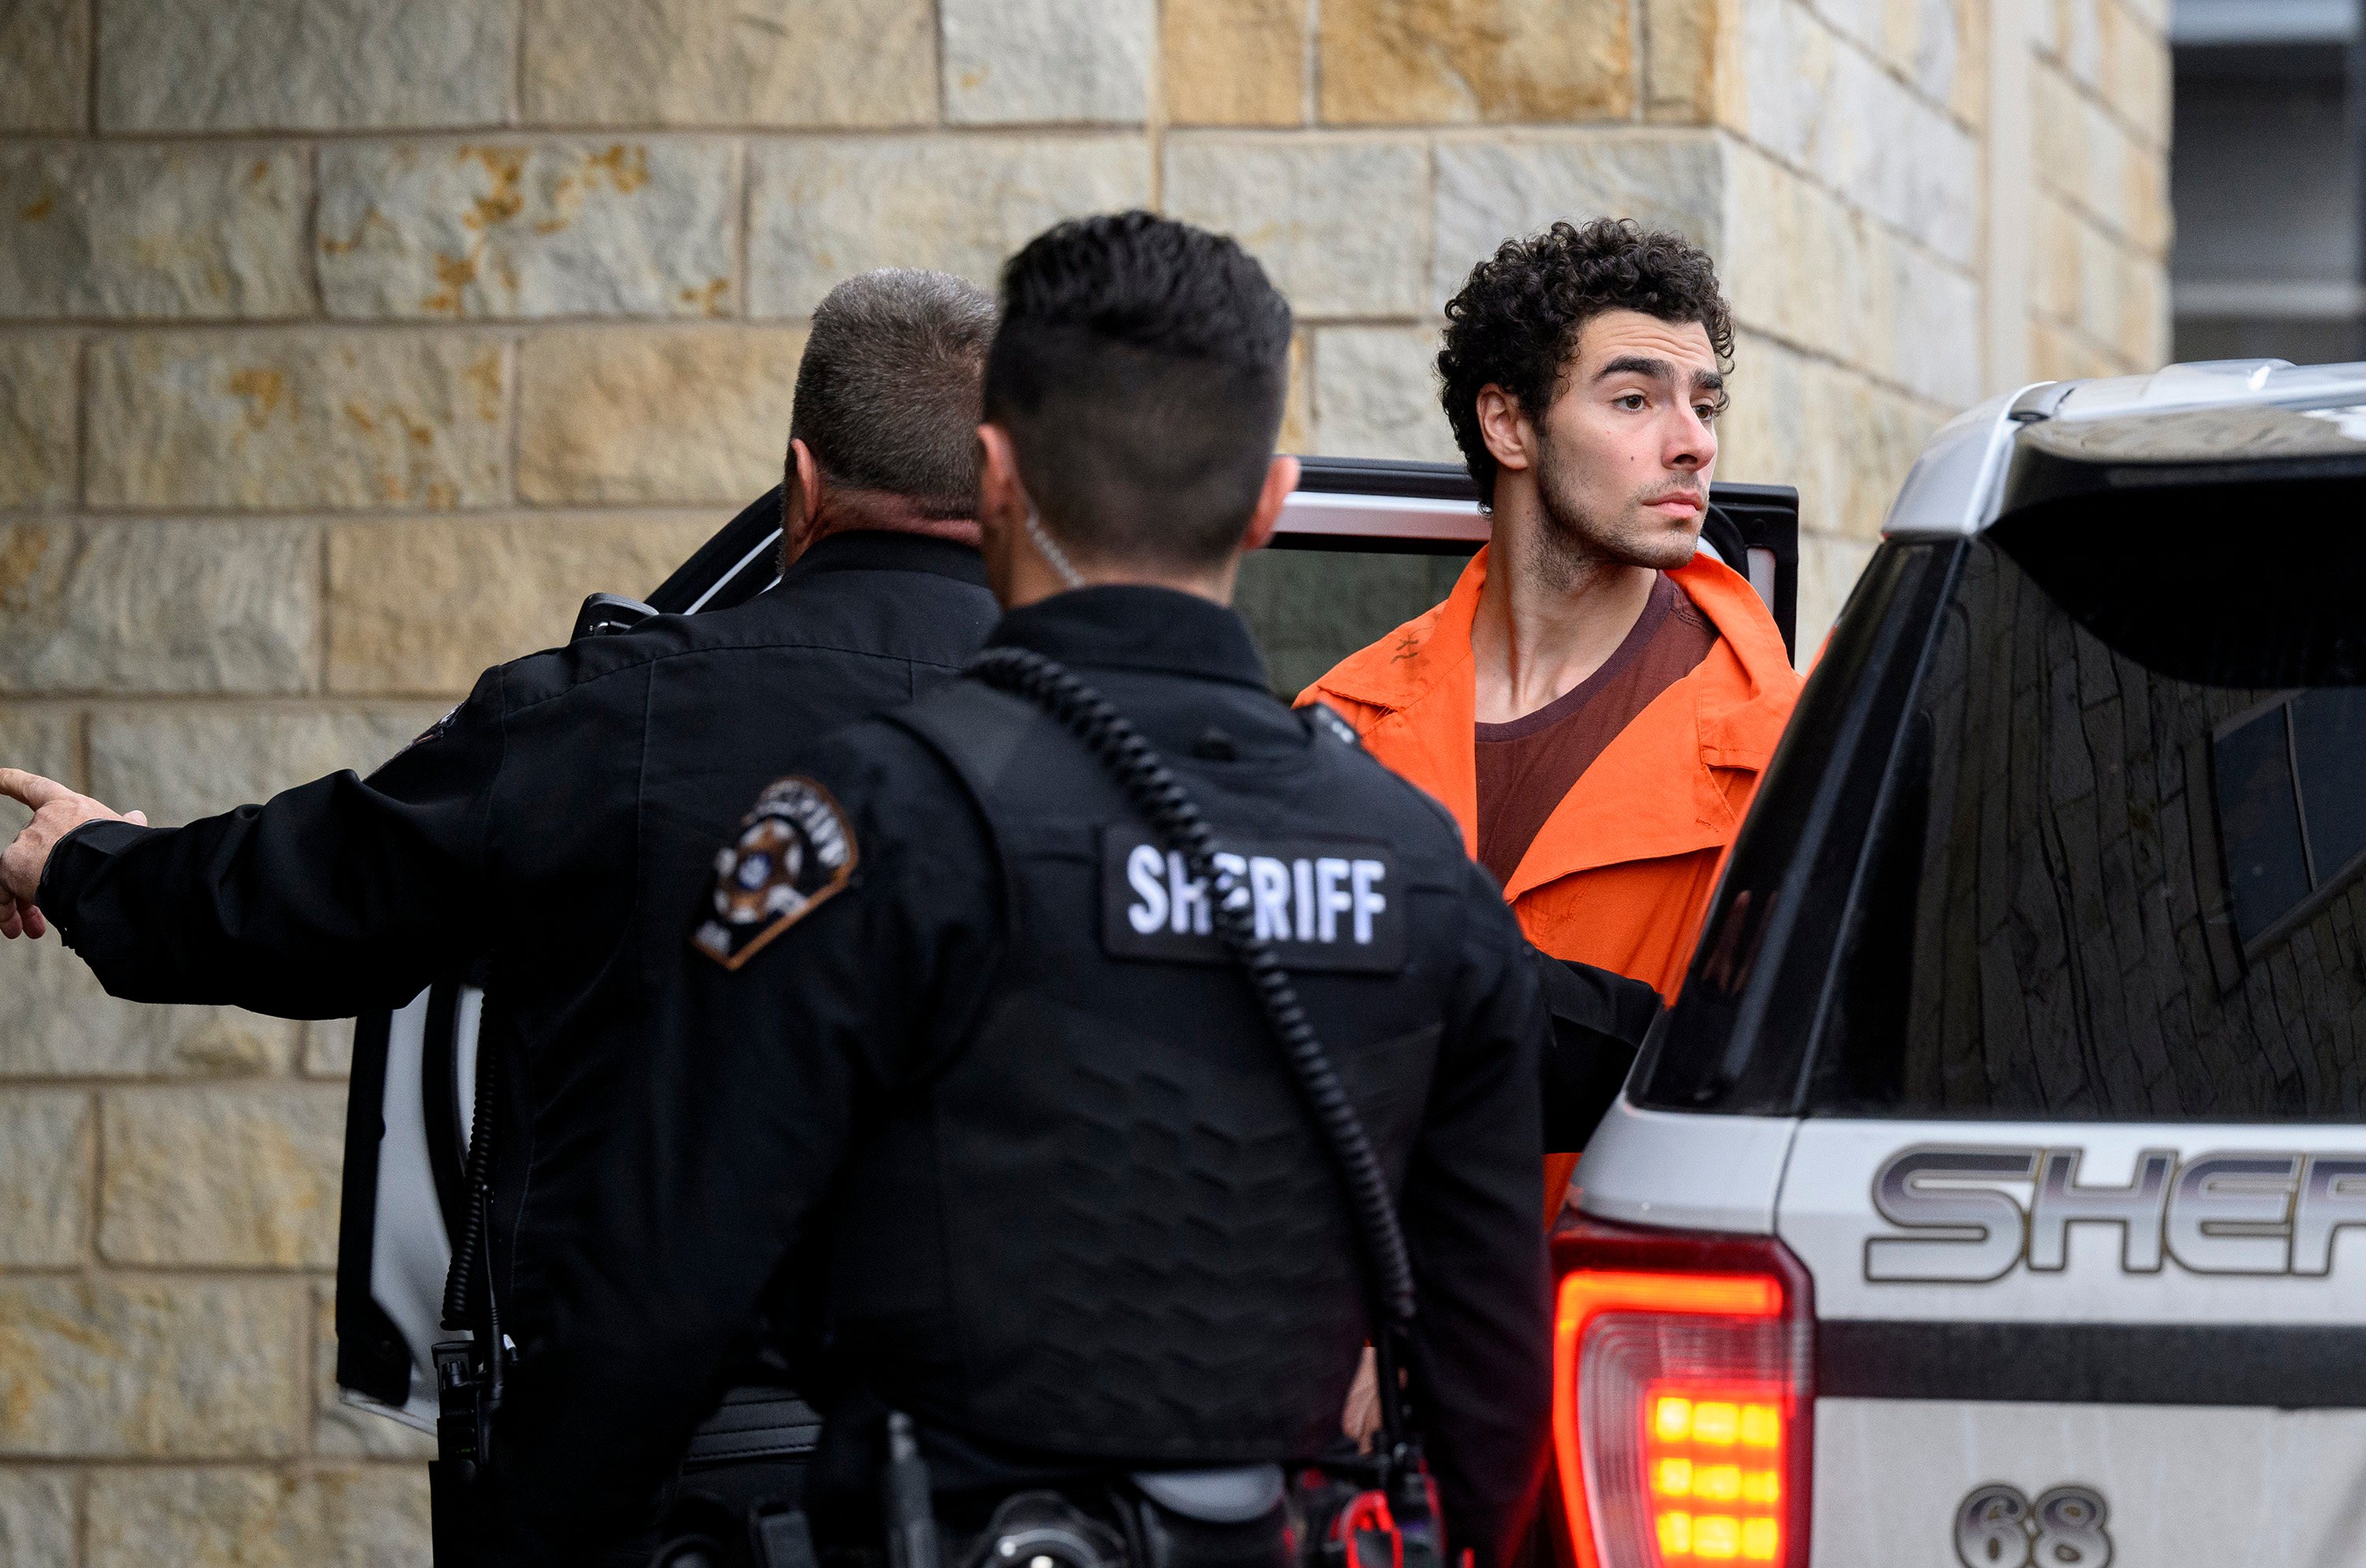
x,y
736,1503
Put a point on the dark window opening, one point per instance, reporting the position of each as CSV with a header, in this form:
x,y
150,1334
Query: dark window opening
x,y
2329,761
2259,822
2291,793
1311,608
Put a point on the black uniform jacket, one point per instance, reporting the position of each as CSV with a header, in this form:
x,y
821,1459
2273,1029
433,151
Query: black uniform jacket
x,y
562,821
766,1132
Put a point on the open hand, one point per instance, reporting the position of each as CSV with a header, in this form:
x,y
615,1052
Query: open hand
x,y
57,811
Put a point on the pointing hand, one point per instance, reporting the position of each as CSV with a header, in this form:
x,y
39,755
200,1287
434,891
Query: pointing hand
x,y
57,811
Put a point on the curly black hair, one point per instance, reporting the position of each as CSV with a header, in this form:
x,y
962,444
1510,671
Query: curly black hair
x,y
1515,322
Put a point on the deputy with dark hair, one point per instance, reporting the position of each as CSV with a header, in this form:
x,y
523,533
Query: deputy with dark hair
x,y
974,1048
1594,702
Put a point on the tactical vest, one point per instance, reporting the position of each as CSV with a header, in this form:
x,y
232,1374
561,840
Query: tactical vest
x,y
1106,1227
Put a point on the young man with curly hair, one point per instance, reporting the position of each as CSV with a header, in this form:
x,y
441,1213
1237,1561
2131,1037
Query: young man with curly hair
x,y
1594,702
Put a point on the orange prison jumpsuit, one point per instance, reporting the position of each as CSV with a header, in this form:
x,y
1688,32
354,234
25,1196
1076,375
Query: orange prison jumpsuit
x,y
1619,876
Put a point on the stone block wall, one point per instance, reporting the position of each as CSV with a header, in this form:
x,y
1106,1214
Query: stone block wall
x,y
344,345
2098,109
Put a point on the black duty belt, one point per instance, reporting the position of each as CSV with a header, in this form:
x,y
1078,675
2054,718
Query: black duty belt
x,y
754,1423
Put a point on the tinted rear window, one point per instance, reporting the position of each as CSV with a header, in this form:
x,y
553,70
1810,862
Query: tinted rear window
x,y
2094,892
2112,870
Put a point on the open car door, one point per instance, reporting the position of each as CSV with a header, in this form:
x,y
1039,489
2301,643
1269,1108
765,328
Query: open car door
x,y
1362,547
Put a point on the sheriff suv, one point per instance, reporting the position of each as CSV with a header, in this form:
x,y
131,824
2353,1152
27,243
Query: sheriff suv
x,y
1994,1194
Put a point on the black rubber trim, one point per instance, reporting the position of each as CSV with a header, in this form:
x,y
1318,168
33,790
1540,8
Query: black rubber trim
x,y
1733,492
439,1094
372,1357
607,615
2273,1365
1375,476
717,558
1762,517
1377,545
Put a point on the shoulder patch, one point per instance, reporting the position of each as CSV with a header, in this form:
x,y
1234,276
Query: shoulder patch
x,y
795,851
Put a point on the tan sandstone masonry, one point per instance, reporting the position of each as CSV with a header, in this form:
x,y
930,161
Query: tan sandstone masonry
x,y
344,345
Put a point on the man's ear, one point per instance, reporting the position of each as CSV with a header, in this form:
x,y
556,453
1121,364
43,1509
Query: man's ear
x,y
1280,479
808,476
800,502
1509,433
1001,493
1002,506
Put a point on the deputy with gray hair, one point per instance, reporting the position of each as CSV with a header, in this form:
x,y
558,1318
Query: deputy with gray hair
x,y
558,826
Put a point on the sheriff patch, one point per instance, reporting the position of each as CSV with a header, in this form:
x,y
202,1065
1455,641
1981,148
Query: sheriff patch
x,y
795,851
1327,904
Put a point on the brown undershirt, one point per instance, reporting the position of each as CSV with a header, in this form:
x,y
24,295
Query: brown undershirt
x,y
1526,766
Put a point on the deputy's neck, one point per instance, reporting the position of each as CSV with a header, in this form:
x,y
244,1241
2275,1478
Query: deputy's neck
x,y
1029,579
839,510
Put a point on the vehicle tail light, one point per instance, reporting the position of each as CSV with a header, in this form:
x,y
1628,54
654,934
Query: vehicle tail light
x,y
1683,1398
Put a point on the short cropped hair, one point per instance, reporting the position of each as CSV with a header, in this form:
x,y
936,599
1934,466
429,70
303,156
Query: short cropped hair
x,y
887,393
1140,369
1515,322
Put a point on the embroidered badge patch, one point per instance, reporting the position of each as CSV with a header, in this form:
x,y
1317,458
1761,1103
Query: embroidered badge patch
x,y
795,851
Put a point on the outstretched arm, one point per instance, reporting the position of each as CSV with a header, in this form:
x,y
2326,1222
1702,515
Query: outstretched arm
x,y
335,896
57,811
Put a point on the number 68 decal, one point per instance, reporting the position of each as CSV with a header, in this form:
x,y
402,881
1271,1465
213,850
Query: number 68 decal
x,y
1996,1526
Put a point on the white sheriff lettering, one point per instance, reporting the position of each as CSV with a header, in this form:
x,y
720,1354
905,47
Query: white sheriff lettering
x,y
1298,899
1324,904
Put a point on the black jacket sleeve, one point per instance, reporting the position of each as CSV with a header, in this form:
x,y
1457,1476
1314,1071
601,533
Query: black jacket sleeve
x,y
1474,1224
1599,1019
745,1115
333,897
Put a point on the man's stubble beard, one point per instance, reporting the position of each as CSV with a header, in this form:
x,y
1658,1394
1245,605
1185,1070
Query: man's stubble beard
x,y
1574,544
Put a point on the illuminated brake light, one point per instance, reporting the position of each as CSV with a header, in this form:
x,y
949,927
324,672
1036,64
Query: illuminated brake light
x,y
1680,1401
1716,1459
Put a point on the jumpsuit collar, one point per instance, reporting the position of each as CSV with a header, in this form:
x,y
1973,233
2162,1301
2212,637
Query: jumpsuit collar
x,y
1134,626
1639,800
880,549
